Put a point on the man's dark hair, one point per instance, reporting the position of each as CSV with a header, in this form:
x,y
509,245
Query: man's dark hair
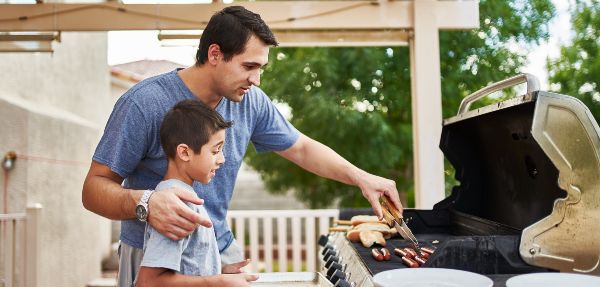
x,y
231,28
189,122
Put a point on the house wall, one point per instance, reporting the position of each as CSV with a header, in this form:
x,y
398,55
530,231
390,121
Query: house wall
x,y
52,111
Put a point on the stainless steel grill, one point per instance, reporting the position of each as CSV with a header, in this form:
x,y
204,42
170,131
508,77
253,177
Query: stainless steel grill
x,y
528,198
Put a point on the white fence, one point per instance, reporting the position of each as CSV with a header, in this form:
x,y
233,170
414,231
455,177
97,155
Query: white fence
x,y
18,248
254,230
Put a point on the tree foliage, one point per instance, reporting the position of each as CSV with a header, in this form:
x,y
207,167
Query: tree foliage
x,y
577,71
357,100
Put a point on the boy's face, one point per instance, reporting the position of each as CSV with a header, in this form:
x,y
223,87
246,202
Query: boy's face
x,y
203,165
243,70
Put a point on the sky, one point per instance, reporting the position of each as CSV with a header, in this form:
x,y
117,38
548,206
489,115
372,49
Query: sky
x,y
128,46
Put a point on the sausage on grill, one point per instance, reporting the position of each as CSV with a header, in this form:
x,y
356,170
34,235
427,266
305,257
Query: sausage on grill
x,y
427,250
400,252
410,252
386,254
420,260
376,254
409,262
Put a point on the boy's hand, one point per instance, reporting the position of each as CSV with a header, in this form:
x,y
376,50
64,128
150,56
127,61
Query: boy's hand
x,y
170,216
237,280
235,268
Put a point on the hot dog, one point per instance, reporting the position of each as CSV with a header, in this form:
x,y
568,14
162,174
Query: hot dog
x,y
411,252
386,254
400,252
376,254
420,260
427,250
409,262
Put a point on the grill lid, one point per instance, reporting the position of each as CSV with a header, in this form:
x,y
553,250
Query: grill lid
x,y
531,163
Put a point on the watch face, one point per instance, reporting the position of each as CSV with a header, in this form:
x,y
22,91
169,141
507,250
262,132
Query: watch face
x,y
140,212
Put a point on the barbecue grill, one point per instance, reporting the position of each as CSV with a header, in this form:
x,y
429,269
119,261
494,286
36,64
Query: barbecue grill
x,y
527,199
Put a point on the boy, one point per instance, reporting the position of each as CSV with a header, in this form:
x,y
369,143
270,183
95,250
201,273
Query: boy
x,y
192,136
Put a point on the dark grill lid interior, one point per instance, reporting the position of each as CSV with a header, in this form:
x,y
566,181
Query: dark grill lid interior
x,y
504,175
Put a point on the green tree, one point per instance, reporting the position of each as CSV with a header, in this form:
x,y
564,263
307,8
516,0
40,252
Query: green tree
x,y
577,71
357,100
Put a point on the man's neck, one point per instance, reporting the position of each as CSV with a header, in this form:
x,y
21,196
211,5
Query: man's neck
x,y
198,79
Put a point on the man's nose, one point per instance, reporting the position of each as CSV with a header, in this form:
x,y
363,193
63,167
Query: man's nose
x,y
254,78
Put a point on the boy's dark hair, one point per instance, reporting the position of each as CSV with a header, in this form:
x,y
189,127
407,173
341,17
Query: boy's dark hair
x,y
231,28
189,122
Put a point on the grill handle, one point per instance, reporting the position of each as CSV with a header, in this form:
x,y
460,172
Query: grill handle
x,y
532,85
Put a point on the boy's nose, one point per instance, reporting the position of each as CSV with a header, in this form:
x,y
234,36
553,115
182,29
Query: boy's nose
x,y
221,159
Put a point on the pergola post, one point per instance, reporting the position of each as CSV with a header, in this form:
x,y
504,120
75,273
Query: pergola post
x,y
426,105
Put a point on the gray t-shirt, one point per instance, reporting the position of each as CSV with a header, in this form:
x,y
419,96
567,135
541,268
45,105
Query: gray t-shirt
x,y
197,254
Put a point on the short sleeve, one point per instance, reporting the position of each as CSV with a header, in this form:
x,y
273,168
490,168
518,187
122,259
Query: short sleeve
x,y
162,252
272,132
125,139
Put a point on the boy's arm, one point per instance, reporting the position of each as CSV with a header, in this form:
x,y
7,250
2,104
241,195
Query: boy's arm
x,y
103,194
151,277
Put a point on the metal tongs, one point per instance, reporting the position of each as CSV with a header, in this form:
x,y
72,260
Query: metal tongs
x,y
394,219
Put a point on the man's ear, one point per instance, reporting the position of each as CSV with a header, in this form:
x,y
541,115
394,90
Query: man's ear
x,y
184,152
214,53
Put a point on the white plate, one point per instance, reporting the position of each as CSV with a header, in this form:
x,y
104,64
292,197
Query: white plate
x,y
553,279
430,277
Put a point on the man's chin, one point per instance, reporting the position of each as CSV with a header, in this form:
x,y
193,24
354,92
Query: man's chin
x,y
236,98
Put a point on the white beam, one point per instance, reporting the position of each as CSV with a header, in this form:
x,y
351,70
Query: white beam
x,y
426,106
280,15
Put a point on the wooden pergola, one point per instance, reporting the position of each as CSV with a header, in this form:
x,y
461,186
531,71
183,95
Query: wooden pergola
x,y
415,23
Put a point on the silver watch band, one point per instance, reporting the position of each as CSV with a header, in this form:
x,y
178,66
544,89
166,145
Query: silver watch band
x,y
146,197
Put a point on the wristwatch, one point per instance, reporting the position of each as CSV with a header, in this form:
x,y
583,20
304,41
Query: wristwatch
x,y
141,209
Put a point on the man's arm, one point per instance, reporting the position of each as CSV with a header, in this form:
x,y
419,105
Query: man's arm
x,y
323,161
151,277
103,194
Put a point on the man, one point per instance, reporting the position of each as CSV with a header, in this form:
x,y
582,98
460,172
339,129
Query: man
x,y
233,48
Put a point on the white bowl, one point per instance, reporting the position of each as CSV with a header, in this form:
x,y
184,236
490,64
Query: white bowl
x,y
553,279
430,277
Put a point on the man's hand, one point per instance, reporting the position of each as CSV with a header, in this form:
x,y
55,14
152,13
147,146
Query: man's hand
x,y
235,268
373,187
170,216
237,280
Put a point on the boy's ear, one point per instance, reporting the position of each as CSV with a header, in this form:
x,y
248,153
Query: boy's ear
x,y
183,152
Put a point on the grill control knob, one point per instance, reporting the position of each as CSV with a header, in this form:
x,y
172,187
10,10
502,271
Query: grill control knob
x,y
337,275
327,247
329,254
332,259
335,266
323,239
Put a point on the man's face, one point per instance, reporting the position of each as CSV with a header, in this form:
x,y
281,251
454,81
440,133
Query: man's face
x,y
234,78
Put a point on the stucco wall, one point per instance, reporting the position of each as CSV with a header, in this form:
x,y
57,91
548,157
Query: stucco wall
x,y
52,109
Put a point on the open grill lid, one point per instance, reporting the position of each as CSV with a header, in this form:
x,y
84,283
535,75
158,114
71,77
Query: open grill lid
x,y
531,163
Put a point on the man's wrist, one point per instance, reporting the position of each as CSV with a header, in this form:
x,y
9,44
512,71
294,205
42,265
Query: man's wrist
x,y
142,209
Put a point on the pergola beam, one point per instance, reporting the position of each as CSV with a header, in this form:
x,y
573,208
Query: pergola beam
x,y
280,15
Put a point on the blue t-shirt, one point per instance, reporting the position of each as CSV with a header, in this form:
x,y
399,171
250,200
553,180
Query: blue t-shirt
x,y
130,145
196,254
